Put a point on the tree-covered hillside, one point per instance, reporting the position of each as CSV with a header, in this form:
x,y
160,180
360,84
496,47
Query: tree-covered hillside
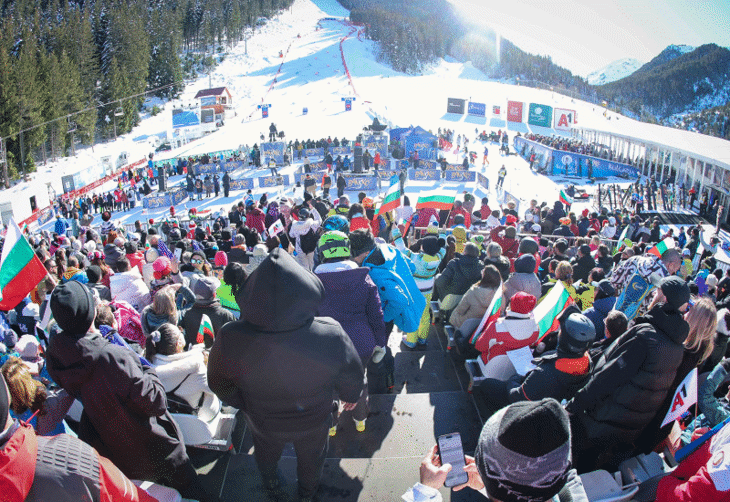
x,y
91,62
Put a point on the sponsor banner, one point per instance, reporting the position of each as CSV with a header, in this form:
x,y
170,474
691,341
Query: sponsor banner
x,y
275,150
273,181
424,175
318,166
313,153
483,181
460,175
514,111
423,144
206,169
422,164
298,177
233,165
563,119
497,111
386,175
525,148
340,150
540,115
477,109
164,200
362,183
374,144
507,197
455,105
242,184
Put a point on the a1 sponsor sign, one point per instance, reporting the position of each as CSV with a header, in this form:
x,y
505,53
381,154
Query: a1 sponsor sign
x,y
563,119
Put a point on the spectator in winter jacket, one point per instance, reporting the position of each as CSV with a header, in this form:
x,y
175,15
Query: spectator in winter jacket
x,y
582,263
309,221
603,303
630,381
476,301
281,367
564,229
93,273
142,439
524,279
255,219
127,285
459,209
207,304
431,250
352,299
516,330
494,257
60,467
558,374
509,243
458,276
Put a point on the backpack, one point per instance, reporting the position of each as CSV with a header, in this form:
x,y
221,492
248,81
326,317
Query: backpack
x,y
308,242
129,323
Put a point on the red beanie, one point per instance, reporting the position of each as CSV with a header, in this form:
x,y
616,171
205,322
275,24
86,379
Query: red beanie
x,y
522,303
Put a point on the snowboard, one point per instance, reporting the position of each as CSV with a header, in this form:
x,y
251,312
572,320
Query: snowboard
x,y
633,295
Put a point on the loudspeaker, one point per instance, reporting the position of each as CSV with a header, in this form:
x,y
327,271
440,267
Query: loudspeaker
x,y
357,167
161,181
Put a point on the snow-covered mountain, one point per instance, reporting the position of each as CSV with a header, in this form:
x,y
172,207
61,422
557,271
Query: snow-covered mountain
x,y
614,71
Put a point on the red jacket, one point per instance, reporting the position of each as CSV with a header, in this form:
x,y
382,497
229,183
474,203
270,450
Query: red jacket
x,y
510,247
256,219
359,222
701,476
462,211
511,333
18,470
485,211
424,216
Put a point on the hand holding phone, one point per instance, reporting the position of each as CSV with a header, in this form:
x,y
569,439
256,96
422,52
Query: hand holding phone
x,y
451,452
178,254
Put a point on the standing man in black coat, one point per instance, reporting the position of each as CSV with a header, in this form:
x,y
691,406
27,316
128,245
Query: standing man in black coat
x,y
282,367
125,414
226,184
341,184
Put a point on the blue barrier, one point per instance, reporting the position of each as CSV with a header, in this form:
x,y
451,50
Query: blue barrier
x,y
422,164
424,175
376,144
242,184
483,181
165,200
340,150
273,181
316,175
460,175
361,183
316,153
274,150
386,175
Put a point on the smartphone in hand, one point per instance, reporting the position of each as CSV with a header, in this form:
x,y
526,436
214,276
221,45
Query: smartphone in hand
x,y
451,452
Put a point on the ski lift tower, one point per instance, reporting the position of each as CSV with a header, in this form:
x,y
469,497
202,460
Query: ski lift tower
x,y
118,112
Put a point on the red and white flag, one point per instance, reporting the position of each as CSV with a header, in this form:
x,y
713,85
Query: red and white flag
x,y
684,397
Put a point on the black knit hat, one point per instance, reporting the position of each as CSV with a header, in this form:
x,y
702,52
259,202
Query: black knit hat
x,y
675,291
94,274
525,264
523,453
73,307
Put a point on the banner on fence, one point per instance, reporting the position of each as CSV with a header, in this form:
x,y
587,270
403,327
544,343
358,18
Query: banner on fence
x,y
374,144
424,144
424,175
477,109
455,105
233,165
313,153
273,181
387,174
563,119
460,176
508,197
317,175
483,181
514,111
275,150
540,115
164,200
242,184
340,150
362,183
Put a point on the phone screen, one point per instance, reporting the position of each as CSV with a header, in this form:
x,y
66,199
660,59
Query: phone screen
x,y
452,452
178,253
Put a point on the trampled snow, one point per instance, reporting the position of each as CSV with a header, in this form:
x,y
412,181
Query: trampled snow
x,y
313,76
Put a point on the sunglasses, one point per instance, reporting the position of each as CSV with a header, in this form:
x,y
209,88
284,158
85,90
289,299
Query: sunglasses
x,y
196,261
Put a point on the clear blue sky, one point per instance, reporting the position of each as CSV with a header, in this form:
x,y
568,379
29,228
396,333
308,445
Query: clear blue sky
x,y
585,35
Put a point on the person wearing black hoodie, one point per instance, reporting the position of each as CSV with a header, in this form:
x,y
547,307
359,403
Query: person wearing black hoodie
x,y
281,366
583,263
630,382
125,414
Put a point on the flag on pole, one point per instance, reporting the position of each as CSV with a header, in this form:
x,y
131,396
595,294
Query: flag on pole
x,y
437,199
565,198
684,397
661,247
491,314
622,240
205,331
391,200
547,312
164,250
20,268
276,228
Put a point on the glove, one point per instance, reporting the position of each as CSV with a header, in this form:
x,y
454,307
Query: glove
x,y
725,363
378,354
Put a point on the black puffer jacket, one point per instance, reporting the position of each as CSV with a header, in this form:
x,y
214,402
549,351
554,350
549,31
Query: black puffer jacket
x,y
632,378
125,407
280,364
502,265
546,380
460,274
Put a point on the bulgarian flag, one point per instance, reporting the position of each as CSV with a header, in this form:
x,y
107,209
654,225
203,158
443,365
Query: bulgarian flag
x,y
491,314
20,268
564,198
205,331
622,240
437,199
392,197
547,312
662,246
